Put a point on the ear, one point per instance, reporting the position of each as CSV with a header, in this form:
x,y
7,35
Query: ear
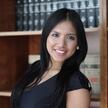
x,y
77,47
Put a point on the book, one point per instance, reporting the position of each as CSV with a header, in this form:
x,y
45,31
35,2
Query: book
x,y
61,4
55,5
19,22
91,14
31,21
19,15
76,6
97,16
91,68
25,16
83,13
69,4
36,21
49,8
42,13
25,1
25,21
36,15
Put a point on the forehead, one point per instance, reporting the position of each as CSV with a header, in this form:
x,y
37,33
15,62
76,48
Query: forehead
x,y
64,26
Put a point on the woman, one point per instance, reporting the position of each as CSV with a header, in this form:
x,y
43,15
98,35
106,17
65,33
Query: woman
x,y
55,81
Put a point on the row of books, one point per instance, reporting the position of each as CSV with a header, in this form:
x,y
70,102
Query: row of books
x,y
32,14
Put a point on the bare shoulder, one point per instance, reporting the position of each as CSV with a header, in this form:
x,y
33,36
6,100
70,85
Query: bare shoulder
x,y
78,98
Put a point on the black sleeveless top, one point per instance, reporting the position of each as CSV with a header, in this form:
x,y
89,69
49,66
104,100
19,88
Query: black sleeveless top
x,y
35,97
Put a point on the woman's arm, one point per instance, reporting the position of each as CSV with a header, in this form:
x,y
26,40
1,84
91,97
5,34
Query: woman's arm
x,y
78,99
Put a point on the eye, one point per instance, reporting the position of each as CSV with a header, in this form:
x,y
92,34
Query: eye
x,y
55,34
71,37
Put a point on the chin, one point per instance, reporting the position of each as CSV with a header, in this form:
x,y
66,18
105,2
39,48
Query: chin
x,y
59,60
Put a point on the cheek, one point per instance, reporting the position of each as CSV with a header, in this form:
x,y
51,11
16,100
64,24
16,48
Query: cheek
x,y
49,44
72,47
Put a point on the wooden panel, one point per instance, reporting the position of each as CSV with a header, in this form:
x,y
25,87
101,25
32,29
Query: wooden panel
x,y
13,60
104,54
104,72
7,15
5,102
34,44
107,12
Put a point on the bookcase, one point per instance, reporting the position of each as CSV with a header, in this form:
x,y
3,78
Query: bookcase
x,y
16,46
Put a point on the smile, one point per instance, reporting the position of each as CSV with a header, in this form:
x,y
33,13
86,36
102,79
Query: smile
x,y
60,51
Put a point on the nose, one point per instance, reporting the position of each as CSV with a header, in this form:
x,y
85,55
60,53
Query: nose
x,y
61,42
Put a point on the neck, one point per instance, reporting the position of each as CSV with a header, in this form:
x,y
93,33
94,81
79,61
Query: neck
x,y
55,66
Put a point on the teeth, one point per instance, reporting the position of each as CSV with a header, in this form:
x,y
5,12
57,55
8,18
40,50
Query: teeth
x,y
59,51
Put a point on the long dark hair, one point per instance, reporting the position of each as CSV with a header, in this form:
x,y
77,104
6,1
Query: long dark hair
x,y
71,65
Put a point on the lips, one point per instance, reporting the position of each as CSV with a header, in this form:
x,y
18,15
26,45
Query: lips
x,y
60,51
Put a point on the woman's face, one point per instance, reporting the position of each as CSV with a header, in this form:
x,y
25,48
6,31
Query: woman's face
x,y
62,42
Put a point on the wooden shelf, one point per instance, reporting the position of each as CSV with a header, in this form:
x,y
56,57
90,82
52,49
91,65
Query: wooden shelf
x,y
19,33
92,29
27,33
7,94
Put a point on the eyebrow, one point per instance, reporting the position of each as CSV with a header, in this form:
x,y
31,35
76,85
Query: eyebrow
x,y
73,34
66,34
55,32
